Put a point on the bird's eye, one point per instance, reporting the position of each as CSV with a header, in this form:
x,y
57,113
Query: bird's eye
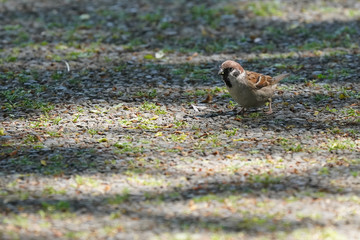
x,y
231,69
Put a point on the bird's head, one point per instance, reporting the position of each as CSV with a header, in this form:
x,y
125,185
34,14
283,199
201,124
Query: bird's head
x,y
230,67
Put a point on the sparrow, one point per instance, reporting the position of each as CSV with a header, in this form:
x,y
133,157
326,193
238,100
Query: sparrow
x,y
249,89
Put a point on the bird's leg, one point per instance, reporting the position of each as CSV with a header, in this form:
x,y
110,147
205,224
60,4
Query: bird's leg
x,y
270,109
241,112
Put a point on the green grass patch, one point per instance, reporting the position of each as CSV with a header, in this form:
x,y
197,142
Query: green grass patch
x,y
342,144
264,8
120,198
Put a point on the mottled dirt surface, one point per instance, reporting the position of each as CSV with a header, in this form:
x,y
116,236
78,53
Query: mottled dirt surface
x,y
115,125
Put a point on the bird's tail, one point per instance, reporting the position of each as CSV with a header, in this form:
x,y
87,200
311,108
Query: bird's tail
x,y
280,77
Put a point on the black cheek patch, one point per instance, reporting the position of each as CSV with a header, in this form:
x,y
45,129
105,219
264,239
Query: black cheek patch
x,y
226,78
227,82
236,73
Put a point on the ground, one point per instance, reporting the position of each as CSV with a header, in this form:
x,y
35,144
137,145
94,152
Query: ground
x,y
115,125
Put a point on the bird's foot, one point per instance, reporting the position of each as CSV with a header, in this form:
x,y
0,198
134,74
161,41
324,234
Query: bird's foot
x,y
269,112
270,109
241,112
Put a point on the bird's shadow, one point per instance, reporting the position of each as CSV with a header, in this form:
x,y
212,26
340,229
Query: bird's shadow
x,y
236,113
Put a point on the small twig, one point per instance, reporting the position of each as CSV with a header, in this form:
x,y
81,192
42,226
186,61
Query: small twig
x,y
195,108
67,66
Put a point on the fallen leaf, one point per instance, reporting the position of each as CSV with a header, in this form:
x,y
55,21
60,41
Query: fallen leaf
x,y
107,188
208,99
159,54
179,148
149,57
84,16
192,205
13,153
342,96
158,134
239,139
102,140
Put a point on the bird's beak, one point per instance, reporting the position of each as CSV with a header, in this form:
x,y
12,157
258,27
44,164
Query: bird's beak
x,y
221,72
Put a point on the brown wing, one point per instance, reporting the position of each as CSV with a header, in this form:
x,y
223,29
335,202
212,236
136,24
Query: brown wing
x,y
259,80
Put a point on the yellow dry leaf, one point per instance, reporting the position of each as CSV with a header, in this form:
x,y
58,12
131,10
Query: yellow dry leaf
x,y
192,205
2,132
342,96
204,32
239,139
158,134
